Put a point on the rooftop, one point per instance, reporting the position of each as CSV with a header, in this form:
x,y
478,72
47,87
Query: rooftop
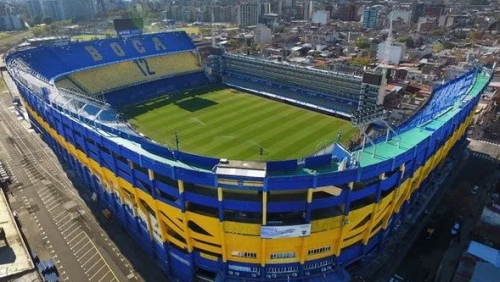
x,y
15,259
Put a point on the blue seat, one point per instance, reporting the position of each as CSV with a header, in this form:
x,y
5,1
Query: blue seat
x,y
50,61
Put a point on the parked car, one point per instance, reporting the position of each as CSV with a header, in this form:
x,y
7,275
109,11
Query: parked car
x,y
474,190
455,229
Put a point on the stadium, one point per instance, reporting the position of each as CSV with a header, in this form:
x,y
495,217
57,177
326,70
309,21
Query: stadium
x,y
219,172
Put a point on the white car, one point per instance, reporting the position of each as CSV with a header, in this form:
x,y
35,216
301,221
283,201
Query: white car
x,y
474,190
455,229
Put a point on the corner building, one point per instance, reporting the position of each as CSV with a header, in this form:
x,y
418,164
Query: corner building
x,y
205,218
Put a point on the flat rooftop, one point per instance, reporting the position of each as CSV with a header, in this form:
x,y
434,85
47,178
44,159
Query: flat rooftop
x,y
15,260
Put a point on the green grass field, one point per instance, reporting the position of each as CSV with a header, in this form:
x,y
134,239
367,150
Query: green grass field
x,y
227,123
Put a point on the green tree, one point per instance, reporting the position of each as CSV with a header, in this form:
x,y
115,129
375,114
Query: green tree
x,y
234,43
47,20
37,20
407,40
475,36
437,32
437,47
361,61
448,45
41,31
362,43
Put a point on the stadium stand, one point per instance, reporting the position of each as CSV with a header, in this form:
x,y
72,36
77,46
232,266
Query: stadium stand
x,y
66,83
297,96
109,77
336,86
205,219
52,61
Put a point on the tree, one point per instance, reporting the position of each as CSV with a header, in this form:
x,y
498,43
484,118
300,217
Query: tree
x,y
40,31
234,43
407,40
437,32
47,20
448,45
361,61
362,43
437,47
37,20
475,36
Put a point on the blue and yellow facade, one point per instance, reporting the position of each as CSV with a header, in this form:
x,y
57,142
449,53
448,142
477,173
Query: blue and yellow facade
x,y
195,223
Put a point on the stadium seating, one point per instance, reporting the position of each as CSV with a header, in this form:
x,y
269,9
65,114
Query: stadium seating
x,y
54,60
441,99
66,83
144,92
103,79
318,100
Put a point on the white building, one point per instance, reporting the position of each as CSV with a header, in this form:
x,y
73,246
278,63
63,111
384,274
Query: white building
x,y
263,34
396,53
320,17
248,14
405,15
308,10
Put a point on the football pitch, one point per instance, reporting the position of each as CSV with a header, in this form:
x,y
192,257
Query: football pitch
x,y
227,123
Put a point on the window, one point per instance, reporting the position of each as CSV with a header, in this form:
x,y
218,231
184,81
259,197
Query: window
x,y
165,195
243,254
104,149
318,250
166,180
90,141
120,158
282,269
318,264
242,268
140,168
283,255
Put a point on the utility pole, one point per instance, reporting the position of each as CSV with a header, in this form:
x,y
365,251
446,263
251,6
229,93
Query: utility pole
x,y
177,141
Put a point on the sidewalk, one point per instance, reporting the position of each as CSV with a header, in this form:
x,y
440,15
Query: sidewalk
x,y
457,247
382,267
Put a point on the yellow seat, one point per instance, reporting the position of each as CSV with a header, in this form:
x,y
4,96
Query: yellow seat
x,y
103,79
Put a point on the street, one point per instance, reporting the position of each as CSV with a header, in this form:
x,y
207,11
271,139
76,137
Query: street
x,y
429,257
57,215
